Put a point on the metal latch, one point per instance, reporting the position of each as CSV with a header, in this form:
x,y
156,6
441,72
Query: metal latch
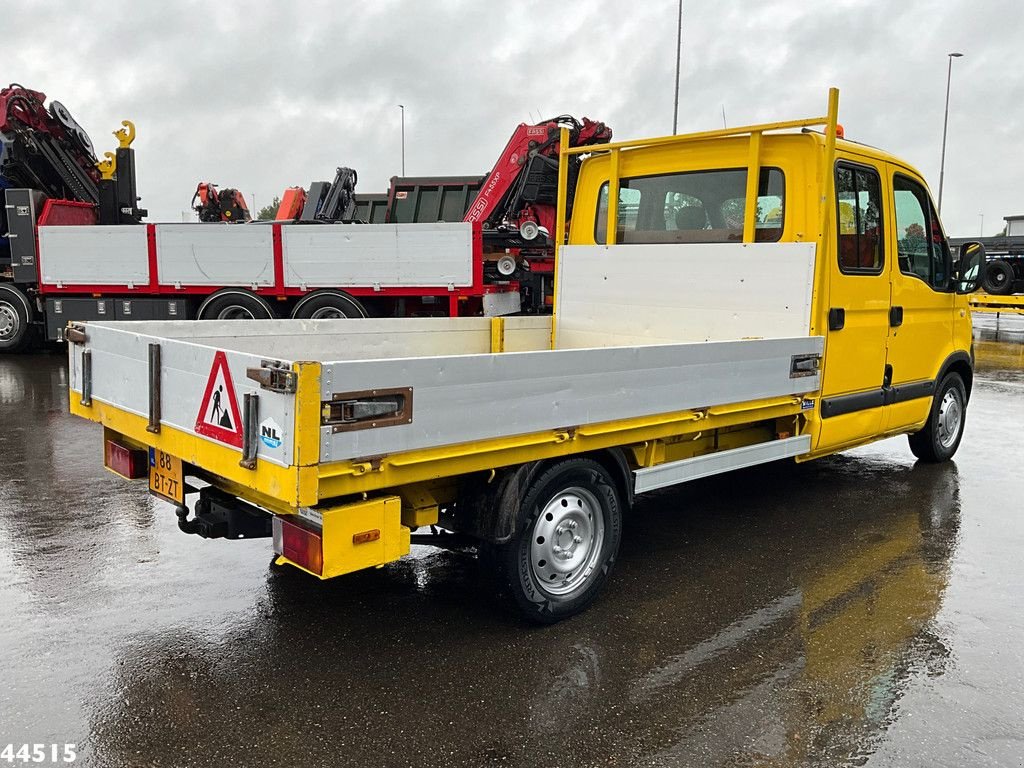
x,y
372,408
275,376
75,334
804,365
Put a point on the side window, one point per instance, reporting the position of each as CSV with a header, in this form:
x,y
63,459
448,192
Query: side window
x,y
859,216
920,244
694,207
629,206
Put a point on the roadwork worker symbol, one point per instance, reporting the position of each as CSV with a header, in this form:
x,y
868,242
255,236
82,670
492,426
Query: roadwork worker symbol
x,y
218,416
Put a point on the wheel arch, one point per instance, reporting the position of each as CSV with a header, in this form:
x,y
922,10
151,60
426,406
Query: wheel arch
x,y
22,296
960,363
336,292
614,460
22,339
490,502
233,292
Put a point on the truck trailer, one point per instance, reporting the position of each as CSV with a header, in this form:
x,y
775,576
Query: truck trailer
x,y
753,294
74,246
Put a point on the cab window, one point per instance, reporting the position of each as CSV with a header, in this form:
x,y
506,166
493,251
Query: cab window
x,y
859,215
921,246
693,207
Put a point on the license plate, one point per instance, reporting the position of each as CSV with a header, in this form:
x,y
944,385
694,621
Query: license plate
x,y
165,476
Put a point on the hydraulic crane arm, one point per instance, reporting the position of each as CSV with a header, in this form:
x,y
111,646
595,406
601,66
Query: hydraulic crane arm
x,y
519,194
45,149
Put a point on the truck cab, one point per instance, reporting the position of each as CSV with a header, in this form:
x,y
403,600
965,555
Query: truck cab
x,y
884,292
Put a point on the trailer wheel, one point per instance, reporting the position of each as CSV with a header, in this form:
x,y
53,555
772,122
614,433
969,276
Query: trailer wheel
x,y
941,435
328,305
998,277
568,531
15,319
235,304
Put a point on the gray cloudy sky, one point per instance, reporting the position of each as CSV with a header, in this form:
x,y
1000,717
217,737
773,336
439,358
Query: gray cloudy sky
x,y
266,95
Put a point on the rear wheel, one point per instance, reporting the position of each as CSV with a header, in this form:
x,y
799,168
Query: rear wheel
x,y
567,537
328,305
235,304
998,277
15,319
941,435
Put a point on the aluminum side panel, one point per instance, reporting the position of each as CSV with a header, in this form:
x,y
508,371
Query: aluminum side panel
x,y
356,339
655,294
477,397
215,254
108,255
120,377
685,470
383,255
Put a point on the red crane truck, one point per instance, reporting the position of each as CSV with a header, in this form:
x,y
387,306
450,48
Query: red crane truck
x,y
71,257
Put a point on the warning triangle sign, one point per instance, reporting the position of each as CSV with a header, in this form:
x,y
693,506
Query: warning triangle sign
x,y
219,415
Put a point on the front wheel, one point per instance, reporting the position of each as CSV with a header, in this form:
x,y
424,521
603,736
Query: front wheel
x,y
941,435
567,537
15,319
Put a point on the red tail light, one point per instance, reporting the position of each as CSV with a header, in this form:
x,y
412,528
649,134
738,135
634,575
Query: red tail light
x,y
299,543
126,462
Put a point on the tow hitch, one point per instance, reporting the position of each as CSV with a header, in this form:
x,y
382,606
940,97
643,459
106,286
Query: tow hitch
x,y
221,516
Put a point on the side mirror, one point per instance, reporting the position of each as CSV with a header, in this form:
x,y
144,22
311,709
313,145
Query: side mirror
x,y
969,266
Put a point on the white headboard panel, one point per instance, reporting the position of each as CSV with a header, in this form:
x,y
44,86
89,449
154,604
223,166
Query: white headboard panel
x,y
658,294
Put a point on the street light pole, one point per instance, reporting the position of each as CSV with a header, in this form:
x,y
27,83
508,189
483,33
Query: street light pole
x,y
945,123
679,52
981,233
402,107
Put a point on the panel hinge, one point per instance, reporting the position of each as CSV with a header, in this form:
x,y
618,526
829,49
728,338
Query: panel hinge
x,y
275,376
75,334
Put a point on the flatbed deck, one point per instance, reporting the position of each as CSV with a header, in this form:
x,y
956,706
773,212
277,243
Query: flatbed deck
x,y
472,393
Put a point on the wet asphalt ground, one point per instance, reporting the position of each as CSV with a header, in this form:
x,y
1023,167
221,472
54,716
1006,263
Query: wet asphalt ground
x,y
858,610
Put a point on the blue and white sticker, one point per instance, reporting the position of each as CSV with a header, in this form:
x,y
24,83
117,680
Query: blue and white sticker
x,y
270,433
806,405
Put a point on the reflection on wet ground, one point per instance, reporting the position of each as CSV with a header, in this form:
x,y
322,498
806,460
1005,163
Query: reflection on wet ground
x,y
856,610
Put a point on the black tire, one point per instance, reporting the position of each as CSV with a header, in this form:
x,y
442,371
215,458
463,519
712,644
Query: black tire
x,y
16,315
235,304
568,501
998,278
939,438
327,305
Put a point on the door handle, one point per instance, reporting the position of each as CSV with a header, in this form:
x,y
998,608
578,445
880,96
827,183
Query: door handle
x,y
895,316
836,318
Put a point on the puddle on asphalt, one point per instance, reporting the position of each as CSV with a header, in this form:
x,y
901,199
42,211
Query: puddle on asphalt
x,y
855,609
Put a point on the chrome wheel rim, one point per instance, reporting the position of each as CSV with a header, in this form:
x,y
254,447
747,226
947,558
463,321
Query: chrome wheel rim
x,y
10,323
951,414
566,541
236,312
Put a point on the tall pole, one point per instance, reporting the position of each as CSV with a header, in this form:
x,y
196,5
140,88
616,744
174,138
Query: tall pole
x,y
945,124
679,54
402,107
981,232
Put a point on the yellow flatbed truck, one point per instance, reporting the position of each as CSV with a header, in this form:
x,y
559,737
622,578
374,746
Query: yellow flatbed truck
x,y
756,294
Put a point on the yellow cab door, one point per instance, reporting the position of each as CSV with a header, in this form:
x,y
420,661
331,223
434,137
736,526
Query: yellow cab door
x,y
858,317
921,317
